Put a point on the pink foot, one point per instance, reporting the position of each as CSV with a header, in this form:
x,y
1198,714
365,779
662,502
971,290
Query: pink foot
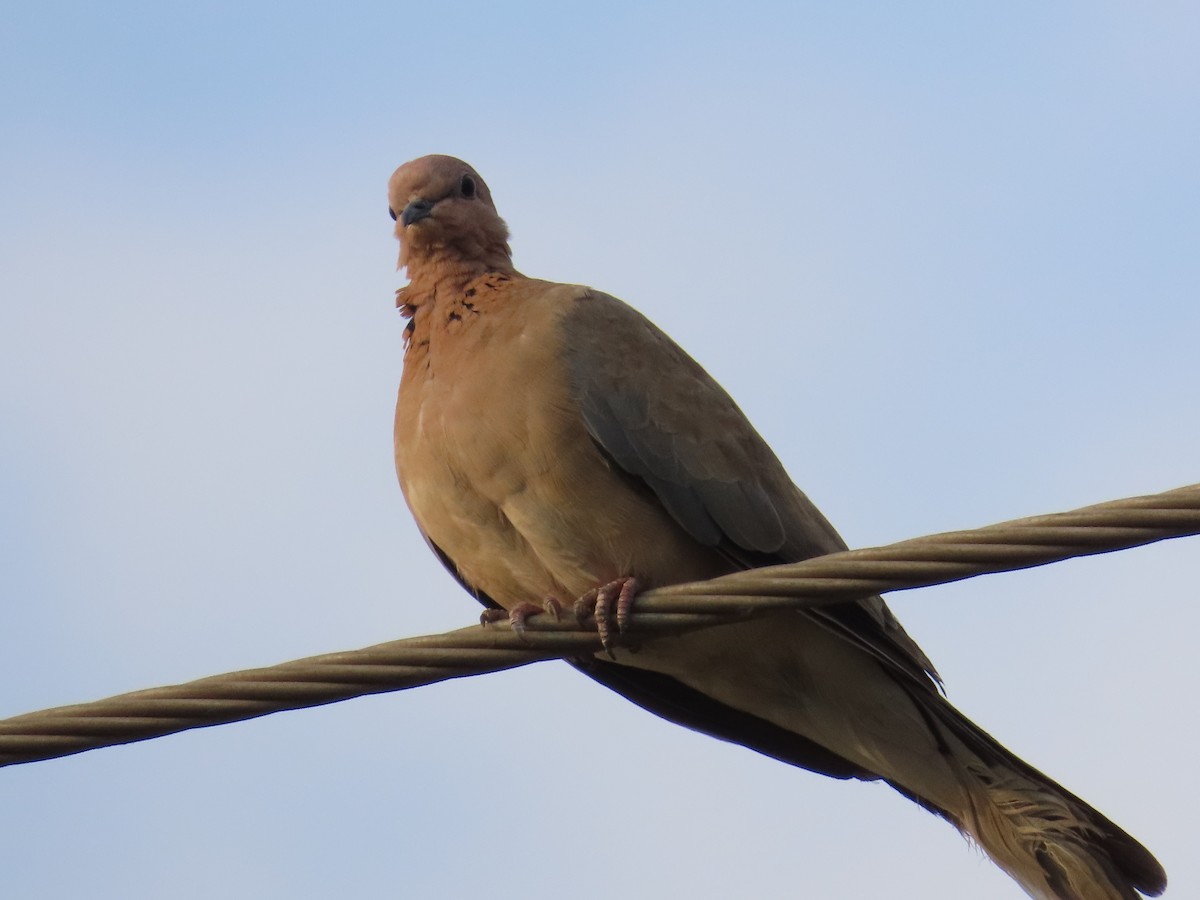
x,y
599,602
518,614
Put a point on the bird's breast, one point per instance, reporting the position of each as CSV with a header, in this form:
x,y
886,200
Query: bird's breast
x,y
501,474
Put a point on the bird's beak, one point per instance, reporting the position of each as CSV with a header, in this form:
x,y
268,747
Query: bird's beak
x,y
415,212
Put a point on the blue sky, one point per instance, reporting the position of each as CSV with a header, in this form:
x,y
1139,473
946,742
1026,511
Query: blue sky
x,y
944,257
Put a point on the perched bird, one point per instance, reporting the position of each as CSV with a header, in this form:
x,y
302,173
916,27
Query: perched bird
x,y
552,443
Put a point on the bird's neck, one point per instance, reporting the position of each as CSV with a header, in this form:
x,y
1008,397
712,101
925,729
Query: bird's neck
x,y
439,274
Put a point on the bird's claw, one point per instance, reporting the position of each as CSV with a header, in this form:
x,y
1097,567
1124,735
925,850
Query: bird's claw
x,y
518,614
608,603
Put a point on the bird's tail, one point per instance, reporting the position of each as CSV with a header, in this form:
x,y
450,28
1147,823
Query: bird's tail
x,y
1051,842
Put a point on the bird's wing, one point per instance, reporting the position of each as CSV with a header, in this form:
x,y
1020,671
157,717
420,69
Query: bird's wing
x,y
659,416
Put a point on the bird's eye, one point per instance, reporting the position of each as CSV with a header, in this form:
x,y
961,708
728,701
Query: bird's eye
x,y
467,187
392,213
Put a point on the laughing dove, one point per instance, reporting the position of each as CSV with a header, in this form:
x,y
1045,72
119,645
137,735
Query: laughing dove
x,y
551,441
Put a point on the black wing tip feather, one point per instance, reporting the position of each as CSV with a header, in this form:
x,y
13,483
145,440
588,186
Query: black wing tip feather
x,y
674,701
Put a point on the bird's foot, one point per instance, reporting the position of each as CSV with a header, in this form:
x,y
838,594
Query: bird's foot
x,y
518,614
608,603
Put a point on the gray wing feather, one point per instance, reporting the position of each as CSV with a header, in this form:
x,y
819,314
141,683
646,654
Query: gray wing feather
x,y
628,446
685,438
663,419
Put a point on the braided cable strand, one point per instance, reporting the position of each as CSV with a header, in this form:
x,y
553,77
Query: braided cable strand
x,y
317,680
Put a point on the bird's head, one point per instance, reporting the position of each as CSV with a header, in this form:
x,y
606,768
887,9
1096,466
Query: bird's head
x,y
445,220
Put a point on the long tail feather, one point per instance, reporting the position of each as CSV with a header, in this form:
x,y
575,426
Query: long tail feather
x,y
1051,842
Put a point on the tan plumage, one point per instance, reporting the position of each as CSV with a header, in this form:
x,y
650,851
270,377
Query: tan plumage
x,y
549,439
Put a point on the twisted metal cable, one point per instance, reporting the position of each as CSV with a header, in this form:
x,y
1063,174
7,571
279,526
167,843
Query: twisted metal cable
x,y
317,680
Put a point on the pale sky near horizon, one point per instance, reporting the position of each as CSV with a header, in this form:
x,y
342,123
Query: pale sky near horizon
x,y
945,257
